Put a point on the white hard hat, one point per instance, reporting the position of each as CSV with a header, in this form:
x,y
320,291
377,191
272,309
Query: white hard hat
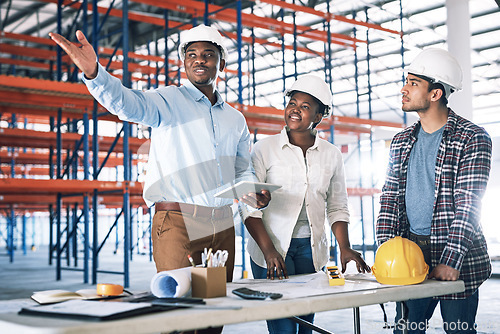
x,y
439,65
201,33
314,86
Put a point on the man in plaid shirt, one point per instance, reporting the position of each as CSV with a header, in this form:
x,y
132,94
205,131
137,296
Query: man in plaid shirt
x,y
437,175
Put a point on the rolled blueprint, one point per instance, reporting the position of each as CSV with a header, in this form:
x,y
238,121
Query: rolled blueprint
x,y
172,283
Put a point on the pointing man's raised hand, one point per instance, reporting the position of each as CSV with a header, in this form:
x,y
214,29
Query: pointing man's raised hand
x,y
83,56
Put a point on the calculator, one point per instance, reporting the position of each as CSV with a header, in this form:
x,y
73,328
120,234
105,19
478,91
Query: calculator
x,y
247,293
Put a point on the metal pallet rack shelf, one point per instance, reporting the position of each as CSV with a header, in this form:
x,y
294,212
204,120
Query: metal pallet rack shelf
x,y
42,102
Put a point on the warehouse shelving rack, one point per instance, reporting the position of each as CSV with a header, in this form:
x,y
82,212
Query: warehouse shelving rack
x,y
49,102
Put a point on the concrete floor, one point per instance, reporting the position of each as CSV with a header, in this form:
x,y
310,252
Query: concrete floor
x,y
31,272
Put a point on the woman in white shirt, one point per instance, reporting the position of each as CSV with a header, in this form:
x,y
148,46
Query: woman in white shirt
x,y
311,173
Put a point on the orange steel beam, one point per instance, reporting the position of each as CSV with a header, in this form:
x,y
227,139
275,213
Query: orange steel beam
x,y
283,27
33,52
29,119
134,16
24,209
260,111
27,51
114,200
250,20
45,85
344,129
22,111
42,158
44,66
133,67
327,16
364,121
27,38
143,79
24,63
108,200
259,123
25,170
30,98
271,112
198,8
40,139
55,186
272,124
276,45
51,55
265,129
24,91
34,203
109,51
35,139
319,35
51,199
25,158
28,199
141,18
231,35
365,24
45,97
227,14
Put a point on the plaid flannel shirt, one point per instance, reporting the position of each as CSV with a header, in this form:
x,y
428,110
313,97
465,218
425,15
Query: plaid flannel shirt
x,y
462,170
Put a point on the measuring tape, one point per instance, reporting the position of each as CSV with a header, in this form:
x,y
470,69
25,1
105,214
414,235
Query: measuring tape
x,y
106,289
335,276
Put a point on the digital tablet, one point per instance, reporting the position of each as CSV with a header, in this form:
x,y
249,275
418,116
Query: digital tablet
x,y
245,187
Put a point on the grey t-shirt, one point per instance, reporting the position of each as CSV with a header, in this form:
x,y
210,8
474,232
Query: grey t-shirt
x,y
420,183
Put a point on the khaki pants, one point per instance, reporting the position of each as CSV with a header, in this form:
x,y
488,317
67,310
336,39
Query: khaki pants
x,y
172,244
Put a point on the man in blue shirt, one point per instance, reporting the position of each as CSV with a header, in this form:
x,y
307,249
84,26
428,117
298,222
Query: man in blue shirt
x,y
199,145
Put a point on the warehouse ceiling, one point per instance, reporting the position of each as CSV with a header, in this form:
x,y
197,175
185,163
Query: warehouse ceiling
x,y
378,52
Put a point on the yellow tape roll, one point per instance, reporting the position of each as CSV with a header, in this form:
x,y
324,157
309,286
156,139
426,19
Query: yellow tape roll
x,y
105,289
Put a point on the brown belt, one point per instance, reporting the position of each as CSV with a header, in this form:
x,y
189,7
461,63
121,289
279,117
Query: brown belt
x,y
196,210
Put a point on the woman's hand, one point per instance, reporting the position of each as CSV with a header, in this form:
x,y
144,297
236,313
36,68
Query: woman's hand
x,y
275,265
350,254
274,260
257,200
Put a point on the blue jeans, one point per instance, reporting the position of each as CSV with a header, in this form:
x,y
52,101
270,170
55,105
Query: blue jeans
x,y
298,261
459,315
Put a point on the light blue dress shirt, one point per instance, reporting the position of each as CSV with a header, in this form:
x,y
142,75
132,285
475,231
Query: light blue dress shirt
x,y
196,149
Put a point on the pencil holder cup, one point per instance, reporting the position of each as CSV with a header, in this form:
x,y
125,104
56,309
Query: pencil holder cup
x,y
208,282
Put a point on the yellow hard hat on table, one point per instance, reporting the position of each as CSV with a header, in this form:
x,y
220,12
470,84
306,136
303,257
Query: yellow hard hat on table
x,y
399,261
